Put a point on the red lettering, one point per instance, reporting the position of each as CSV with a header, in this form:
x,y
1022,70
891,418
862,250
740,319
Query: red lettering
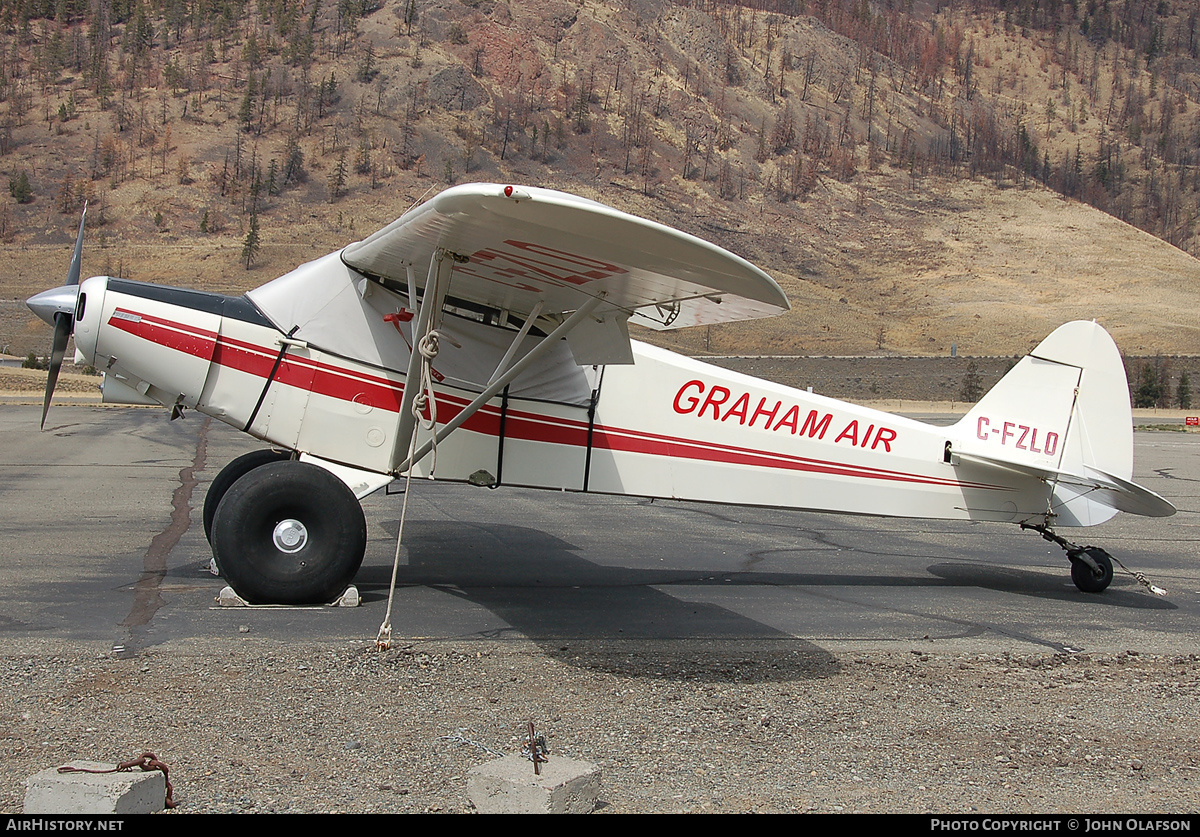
x,y
594,266
815,428
692,400
524,268
739,409
561,268
851,433
713,402
790,419
1025,436
759,411
1024,433
697,398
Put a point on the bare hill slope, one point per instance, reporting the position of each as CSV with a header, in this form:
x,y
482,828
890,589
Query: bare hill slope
x,y
824,154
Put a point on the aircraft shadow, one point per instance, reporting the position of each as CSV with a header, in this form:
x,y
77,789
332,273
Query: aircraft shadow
x,y
593,616
619,618
1123,592
529,570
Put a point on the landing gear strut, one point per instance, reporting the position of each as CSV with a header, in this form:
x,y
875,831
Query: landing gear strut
x,y
1091,566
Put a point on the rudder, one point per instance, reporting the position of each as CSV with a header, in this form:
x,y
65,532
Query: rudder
x,y
1062,410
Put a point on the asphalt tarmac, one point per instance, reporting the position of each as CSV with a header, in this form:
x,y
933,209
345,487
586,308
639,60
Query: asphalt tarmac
x,y
102,543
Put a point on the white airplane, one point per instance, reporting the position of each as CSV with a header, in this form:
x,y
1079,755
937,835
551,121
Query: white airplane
x,y
518,302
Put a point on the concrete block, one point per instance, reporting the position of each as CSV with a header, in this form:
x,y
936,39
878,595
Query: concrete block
x,y
509,786
128,792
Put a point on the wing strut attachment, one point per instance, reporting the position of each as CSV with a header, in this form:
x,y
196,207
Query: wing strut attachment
x,y
500,382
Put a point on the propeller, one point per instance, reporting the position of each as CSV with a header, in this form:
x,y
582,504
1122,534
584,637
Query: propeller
x,y
57,307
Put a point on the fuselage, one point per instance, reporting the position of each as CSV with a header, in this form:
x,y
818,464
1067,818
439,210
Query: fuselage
x,y
666,426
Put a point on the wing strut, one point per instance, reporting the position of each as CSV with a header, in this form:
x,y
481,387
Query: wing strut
x,y
512,350
436,286
499,383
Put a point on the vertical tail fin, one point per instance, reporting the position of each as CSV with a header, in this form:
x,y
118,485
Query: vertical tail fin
x,y
1063,414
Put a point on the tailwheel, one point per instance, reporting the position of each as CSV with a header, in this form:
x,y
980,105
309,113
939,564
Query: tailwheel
x,y
289,533
1091,568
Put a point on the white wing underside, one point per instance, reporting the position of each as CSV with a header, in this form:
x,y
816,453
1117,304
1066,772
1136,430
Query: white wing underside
x,y
533,246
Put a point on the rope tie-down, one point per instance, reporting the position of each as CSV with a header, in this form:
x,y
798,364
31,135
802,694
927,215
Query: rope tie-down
x,y
427,347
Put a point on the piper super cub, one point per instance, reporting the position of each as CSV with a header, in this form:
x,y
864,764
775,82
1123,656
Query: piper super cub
x,y
483,336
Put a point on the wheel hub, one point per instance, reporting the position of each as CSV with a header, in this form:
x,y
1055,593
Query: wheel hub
x,y
289,535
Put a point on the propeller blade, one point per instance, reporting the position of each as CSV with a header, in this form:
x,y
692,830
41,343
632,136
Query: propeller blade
x,y
64,321
73,273
62,331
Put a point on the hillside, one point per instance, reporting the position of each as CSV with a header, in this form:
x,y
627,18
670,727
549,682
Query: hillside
x,y
880,164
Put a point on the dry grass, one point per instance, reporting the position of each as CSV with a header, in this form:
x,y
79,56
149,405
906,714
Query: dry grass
x,y
965,263
874,266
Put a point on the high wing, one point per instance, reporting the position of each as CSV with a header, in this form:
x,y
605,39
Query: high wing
x,y
526,246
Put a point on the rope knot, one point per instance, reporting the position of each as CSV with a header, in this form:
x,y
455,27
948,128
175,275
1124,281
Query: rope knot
x,y
429,345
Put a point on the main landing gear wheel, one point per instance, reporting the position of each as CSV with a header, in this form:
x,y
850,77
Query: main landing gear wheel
x,y
1088,578
230,474
289,533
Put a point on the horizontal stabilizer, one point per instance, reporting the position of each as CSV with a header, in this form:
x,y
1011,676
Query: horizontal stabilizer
x,y
1104,488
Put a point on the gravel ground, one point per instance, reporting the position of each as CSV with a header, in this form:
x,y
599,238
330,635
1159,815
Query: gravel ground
x,y
679,727
685,726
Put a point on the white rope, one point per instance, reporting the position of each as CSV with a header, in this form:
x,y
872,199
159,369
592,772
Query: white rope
x,y
428,347
1140,578
426,397
383,641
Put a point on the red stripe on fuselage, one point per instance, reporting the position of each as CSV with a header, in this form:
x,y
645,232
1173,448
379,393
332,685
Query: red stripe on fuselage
x,y
346,385
182,338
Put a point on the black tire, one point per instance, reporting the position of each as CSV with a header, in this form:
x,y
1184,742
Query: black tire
x,y
289,533
1089,580
230,474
